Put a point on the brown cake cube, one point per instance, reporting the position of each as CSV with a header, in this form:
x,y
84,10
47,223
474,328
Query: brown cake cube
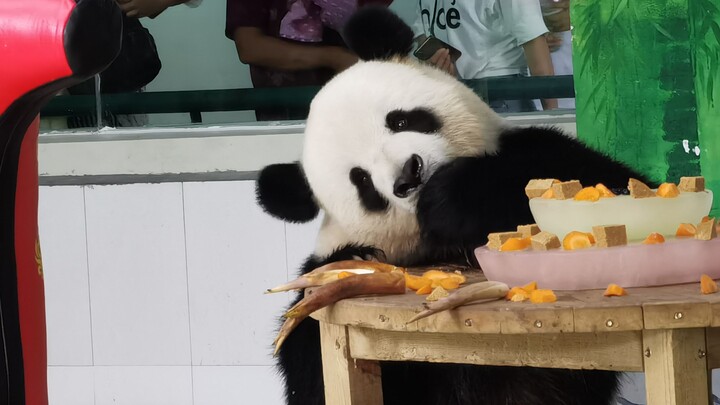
x,y
706,230
496,239
610,235
545,241
692,184
528,230
638,189
566,189
536,187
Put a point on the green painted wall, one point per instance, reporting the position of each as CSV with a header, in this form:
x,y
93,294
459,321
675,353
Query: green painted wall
x,y
645,78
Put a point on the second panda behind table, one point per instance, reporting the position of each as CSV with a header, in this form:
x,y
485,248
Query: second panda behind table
x,y
410,166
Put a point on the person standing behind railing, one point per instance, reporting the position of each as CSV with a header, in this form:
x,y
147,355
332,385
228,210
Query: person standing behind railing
x,y
291,43
497,38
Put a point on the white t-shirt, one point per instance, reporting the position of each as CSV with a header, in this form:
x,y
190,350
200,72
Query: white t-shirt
x,y
489,33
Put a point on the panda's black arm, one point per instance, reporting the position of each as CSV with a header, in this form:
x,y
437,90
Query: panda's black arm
x,y
471,197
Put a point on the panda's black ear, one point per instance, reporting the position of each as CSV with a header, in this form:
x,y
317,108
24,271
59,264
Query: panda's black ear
x,y
375,32
283,192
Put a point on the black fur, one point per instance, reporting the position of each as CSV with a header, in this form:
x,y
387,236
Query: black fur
x,y
417,120
487,194
458,207
374,32
283,192
370,198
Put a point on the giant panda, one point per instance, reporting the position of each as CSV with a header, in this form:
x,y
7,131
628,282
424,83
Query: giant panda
x,y
411,167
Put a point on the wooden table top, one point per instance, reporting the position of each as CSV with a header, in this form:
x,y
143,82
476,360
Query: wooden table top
x,y
666,307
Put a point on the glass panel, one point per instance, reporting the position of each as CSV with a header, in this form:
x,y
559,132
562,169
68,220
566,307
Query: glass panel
x,y
197,77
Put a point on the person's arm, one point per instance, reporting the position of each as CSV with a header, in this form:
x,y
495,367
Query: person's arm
x,y
256,48
147,8
539,61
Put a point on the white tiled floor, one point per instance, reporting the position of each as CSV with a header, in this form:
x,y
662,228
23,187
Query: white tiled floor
x,y
71,385
218,385
150,385
62,240
138,284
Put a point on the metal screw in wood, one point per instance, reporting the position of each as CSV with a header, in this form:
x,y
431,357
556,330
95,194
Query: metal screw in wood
x,y
648,353
609,323
468,322
701,353
538,324
678,315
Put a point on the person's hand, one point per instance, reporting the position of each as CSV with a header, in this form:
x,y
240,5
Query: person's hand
x,y
146,8
442,60
554,41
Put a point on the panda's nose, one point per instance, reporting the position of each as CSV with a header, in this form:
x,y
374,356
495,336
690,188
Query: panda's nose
x,y
410,177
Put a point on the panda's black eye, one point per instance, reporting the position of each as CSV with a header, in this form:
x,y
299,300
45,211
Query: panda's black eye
x,y
416,120
370,198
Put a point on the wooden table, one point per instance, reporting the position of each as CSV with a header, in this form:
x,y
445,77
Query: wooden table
x,y
671,333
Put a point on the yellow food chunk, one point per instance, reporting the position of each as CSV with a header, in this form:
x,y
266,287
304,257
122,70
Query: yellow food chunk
x,y
604,191
424,290
542,296
668,190
548,194
587,194
515,244
638,189
686,230
517,291
708,285
578,240
416,282
614,290
530,287
654,238
437,293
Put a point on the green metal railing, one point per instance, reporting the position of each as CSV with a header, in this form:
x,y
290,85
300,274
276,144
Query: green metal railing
x,y
199,101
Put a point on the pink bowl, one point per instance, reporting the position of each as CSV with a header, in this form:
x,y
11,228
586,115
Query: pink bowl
x,y
673,262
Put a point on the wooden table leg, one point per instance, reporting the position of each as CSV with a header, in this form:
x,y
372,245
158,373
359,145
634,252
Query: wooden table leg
x,y
676,367
347,381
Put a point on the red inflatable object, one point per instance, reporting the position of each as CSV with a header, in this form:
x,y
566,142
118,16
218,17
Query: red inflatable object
x,y
45,46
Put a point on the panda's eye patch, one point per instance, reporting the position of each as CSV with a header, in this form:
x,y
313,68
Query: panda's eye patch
x,y
370,198
416,120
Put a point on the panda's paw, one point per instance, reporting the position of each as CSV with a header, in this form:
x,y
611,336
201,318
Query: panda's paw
x,y
357,252
448,207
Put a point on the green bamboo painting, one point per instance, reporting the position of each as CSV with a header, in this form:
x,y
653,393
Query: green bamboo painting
x,y
645,73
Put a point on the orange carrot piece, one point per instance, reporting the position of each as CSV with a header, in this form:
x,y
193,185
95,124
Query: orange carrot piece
x,y
604,191
668,190
577,240
515,244
427,289
614,290
416,282
708,285
542,296
654,238
530,287
588,194
686,230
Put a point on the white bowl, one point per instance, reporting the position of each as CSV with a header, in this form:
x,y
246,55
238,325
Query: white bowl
x,y
641,216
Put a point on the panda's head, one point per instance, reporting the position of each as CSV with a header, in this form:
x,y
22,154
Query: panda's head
x,y
374,136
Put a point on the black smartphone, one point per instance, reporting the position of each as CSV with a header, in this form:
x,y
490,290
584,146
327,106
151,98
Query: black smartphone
x,y
431,45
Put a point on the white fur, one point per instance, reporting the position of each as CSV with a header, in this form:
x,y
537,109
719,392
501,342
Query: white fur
x,y
346,128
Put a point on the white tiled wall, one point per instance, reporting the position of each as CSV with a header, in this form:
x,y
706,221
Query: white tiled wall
x,y
155,293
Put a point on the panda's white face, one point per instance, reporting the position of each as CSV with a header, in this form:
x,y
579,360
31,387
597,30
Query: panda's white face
x,y
375,135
